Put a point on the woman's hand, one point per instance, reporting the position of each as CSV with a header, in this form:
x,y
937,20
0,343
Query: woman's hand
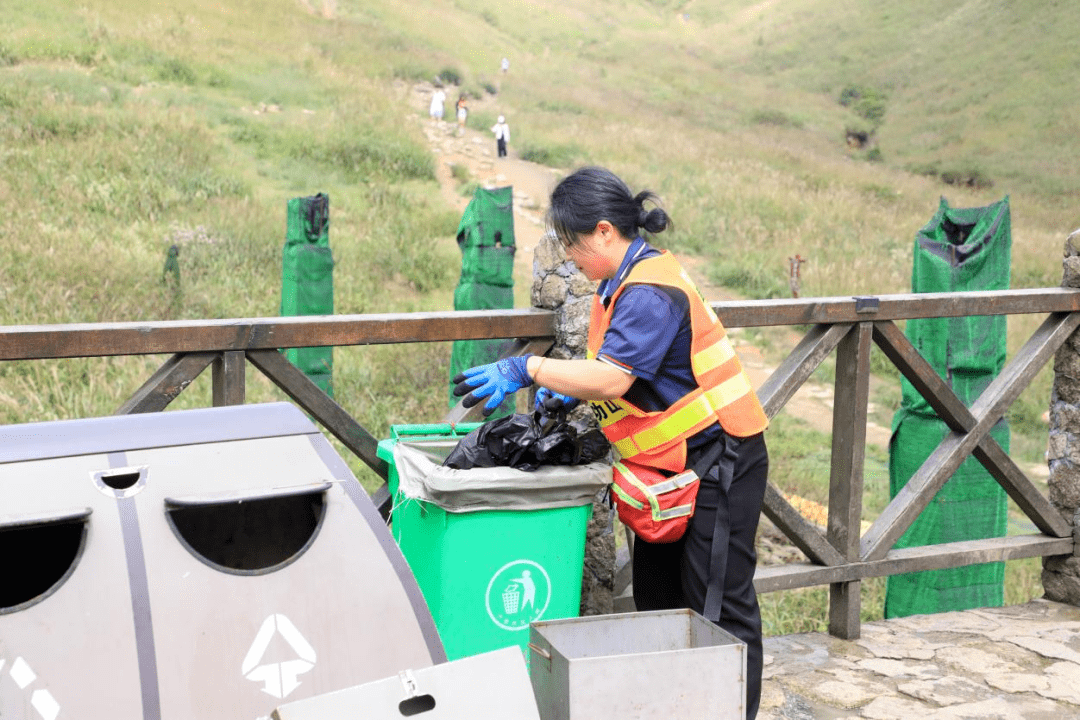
x,y
547,399
493,381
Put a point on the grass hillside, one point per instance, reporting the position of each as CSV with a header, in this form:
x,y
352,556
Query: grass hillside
x,y
128,127
120,118
818,127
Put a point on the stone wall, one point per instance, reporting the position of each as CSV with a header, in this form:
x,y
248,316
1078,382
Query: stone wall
x,y
559,286
1061,575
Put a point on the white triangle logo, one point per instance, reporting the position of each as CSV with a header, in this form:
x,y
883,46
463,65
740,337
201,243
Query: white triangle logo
x,y
279,679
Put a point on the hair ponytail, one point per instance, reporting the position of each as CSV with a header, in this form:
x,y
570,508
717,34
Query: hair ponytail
x,y
591,194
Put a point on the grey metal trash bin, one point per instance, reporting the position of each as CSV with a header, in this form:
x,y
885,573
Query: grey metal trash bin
x,y
635,666
193,564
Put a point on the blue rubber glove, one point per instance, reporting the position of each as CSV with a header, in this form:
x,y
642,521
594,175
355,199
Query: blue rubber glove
x,y
549,400
494,382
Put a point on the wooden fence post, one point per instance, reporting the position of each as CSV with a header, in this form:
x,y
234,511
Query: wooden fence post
x,y
850,402
1061,573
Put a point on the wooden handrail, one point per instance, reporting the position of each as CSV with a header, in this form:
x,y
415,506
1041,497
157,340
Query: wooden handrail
x,y
35,342
831,310
29,342
839,556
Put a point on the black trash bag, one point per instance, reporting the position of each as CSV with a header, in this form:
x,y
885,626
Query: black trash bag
x,y
526,442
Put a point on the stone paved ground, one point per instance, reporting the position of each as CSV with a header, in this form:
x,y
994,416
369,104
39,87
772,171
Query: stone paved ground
x,y
1020,662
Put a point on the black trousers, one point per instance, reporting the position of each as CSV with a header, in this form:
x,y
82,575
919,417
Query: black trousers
x,y
677,575
500,145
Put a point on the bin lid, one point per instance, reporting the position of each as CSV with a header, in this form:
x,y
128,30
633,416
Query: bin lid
x,y
94,436
422,477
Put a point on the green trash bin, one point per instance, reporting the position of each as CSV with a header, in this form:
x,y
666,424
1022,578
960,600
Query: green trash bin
x,y
492,549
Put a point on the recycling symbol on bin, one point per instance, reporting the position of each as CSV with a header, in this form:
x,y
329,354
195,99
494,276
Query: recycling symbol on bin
x,y
518,594
278,678
28,681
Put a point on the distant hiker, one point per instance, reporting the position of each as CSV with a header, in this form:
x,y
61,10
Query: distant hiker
x,y
502,135
438,98
505,65
462,113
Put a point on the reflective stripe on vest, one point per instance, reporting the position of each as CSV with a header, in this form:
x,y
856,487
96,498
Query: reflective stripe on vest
x,y
678,482
651,491
724,391
712,357
687,420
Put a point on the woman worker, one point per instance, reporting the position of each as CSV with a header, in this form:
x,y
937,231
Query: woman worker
x,y
666,386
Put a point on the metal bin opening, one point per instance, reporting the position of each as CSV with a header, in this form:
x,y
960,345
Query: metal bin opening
x,y
39,554
248,535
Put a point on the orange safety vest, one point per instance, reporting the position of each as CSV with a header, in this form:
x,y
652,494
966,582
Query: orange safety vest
x,y
724,393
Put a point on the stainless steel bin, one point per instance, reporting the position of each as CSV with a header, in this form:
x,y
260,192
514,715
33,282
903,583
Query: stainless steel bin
x,y
663,664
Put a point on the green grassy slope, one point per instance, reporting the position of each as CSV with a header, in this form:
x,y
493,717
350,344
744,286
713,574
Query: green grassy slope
x,y
983,84
126,127
729,109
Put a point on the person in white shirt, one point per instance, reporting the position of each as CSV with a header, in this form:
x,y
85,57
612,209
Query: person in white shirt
x,y
502,135
437,99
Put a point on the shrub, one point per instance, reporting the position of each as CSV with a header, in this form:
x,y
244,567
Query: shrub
x,y
216,77
928,169
175,70
972,177
867,102
872,109
7,56
559,106
551,156
969,176
849,96
450,76
410,72
460,173
777,118
858,135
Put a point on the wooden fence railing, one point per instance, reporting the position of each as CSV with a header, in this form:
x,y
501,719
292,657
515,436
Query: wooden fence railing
x,y
840,557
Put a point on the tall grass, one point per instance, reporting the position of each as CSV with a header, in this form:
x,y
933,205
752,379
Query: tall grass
x,y
134,134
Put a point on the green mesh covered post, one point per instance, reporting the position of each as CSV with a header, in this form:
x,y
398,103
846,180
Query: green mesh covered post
x,y
959,249
307,280
486,238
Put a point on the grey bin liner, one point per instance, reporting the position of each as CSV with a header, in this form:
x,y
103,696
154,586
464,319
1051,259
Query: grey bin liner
x,y
422,477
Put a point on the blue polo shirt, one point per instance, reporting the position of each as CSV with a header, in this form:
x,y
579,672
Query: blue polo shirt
x,y
649,337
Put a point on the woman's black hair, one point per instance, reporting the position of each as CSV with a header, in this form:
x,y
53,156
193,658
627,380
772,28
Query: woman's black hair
x,y
591,194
